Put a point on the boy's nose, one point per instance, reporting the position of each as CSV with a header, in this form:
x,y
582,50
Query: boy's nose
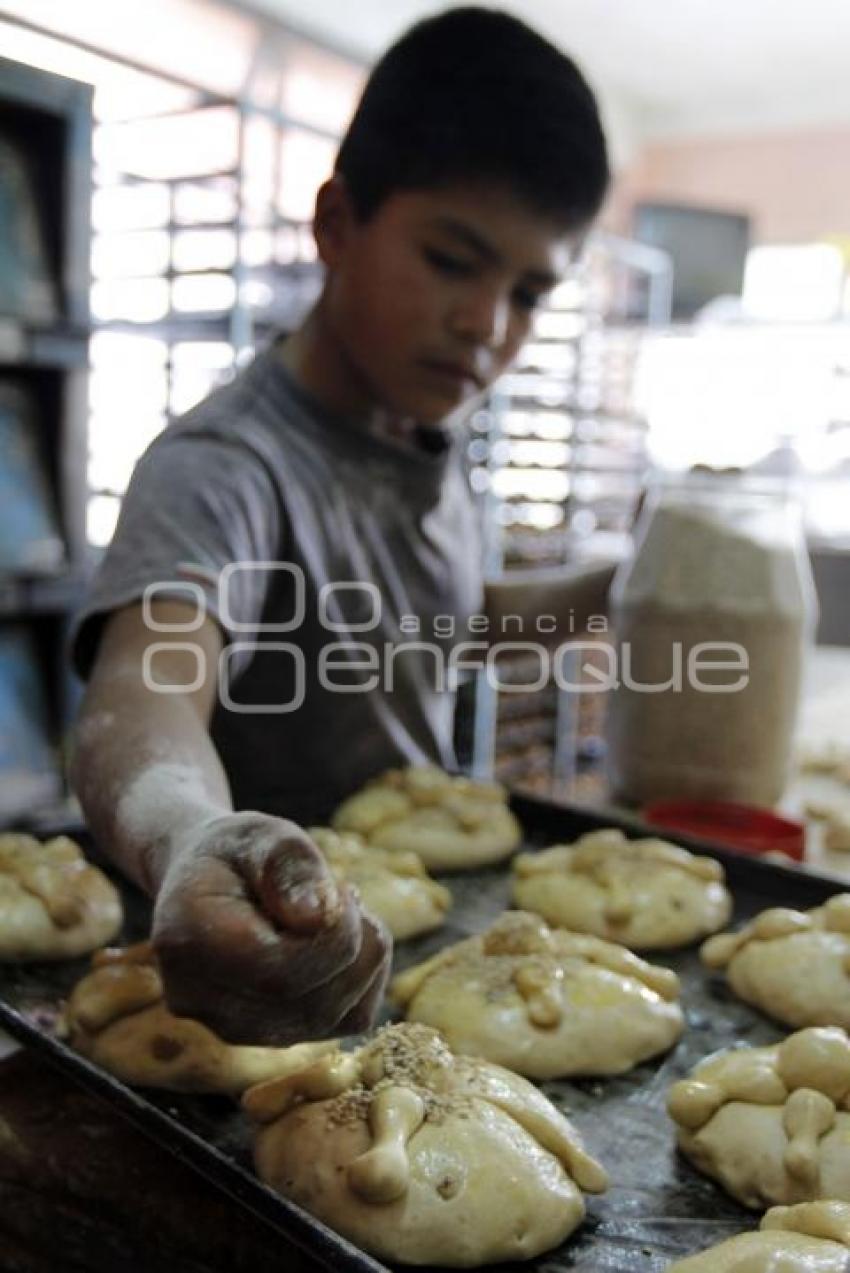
x,y
483,319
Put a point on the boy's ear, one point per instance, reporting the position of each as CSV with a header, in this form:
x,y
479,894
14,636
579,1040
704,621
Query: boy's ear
x,y
333,220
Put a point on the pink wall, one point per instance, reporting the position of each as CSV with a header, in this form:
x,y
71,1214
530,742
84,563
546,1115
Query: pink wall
x,y
796,186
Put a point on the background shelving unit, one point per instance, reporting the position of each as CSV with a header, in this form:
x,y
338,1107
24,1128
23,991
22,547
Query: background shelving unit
x,y
45,130
195,265
560,456
202,246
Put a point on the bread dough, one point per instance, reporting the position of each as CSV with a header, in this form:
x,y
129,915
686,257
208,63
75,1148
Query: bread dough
x,y
454,824
117,1018
394,886
53,903
813,1237
771,1124
833,760
793,965
646,894
423,1157
835,815
544,1002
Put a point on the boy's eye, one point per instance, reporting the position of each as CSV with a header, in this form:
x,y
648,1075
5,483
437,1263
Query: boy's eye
x,y
448,264
526,299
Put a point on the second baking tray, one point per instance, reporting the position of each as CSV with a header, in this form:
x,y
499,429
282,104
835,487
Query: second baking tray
x,y
657,1208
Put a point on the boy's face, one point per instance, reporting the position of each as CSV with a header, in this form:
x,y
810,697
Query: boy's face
x,y
430,299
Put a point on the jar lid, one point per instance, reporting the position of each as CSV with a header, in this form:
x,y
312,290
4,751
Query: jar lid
x,y
735,826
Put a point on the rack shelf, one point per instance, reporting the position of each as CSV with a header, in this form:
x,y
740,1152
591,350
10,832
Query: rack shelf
x,y
546,507
45,130
59,345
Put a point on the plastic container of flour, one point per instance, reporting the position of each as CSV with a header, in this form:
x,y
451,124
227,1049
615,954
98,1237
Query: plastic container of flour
x,y
712,618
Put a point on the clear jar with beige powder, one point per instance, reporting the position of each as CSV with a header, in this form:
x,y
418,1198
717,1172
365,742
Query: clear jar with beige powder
x,y
720,576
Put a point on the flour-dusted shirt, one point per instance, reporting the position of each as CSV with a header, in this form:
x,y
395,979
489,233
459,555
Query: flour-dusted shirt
x,y
333,559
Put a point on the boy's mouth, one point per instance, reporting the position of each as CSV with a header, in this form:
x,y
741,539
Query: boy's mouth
x,y
458,373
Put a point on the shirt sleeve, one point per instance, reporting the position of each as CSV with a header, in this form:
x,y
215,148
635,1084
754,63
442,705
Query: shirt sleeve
x,y
195,505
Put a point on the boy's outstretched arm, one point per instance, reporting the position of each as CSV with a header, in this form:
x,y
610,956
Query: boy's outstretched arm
x,y
253,936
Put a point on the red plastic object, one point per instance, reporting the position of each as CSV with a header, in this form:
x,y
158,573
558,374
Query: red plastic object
x,y
734,826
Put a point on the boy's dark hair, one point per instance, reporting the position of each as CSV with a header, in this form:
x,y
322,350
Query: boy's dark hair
x,y
476,94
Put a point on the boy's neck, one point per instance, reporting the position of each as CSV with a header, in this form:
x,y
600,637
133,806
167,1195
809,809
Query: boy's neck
x,y
316,361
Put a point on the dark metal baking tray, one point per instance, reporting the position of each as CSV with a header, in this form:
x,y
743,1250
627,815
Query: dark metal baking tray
x,y
657,1207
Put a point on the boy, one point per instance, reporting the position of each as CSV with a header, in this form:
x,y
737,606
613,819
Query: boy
x,y
323,494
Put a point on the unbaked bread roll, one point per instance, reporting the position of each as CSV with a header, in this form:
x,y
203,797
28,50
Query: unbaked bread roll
x,y
423,1157
454,824
793,965
544,1002
771,1124
53,903
813,1237
394,886
117,1018
646,894
832,759
834,814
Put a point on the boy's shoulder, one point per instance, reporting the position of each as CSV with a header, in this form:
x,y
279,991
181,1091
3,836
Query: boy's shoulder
x,y
256,397
255,416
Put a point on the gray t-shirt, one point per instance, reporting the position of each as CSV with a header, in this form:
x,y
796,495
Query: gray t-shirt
x,y
261,505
